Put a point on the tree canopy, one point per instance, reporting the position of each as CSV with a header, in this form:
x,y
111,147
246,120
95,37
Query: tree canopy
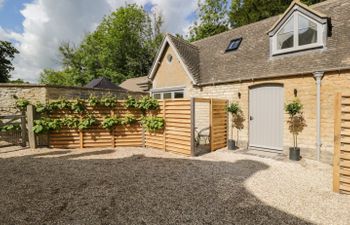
x,y
7,54
249,11
122,46
217,16
212,16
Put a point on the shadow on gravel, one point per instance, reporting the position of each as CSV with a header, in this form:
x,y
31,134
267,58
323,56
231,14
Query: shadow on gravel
x,y
51,153
134,190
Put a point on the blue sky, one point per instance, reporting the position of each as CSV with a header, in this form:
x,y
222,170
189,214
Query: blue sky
x,y
37,27
10,16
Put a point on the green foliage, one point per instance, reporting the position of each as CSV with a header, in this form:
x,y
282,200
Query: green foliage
x,y
122,46
294,107
296,119
110,122
45,125
87,122
63,78
7,54
41,126
152,123
249,11
10,127
234,109
213,19
77,106
18,81
130,103
40,107
70,122
147,103
109,101
22,103
93,101
128,120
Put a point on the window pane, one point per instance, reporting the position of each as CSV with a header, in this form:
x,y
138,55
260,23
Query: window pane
x,y
167,95
285,38
157,96
307,31
178,95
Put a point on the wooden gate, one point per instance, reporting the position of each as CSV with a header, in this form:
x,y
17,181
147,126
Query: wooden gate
x,y
341,157
218,121
17,132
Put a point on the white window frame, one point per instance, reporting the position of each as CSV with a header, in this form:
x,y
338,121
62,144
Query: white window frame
x,y
168,91
321,32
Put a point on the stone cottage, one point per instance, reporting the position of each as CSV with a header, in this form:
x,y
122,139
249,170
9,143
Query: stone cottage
x,y
303,53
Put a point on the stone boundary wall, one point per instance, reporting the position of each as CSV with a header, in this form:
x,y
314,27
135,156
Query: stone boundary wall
x,y
43,93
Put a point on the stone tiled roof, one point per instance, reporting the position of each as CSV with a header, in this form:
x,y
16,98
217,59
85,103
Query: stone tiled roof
x,y
138,84
103,83
253,61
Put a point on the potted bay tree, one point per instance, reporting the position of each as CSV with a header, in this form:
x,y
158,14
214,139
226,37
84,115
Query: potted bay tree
x,y
296,125
235,110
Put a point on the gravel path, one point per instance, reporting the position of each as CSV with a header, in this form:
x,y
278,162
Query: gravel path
x,y
139,186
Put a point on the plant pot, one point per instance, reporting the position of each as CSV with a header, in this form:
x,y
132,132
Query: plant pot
x,y
294,154
231,144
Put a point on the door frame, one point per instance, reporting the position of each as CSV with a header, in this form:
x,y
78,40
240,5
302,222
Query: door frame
x,y
275,84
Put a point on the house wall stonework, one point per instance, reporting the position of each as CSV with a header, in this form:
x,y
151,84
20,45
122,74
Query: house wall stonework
x,y
305,85
171,74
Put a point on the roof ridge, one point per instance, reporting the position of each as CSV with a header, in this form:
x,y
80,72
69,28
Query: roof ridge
x,y
183,41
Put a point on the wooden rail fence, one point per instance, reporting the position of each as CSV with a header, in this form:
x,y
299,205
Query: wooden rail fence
x,y
341,157
177,135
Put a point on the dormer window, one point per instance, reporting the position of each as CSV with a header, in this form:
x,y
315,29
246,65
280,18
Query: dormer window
x,y
298,30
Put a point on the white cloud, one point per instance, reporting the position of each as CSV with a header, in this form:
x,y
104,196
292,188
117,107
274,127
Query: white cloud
x,y
47,23
2,2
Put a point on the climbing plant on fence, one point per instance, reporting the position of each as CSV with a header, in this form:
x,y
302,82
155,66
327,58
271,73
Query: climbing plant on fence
x,y
101,121
84,120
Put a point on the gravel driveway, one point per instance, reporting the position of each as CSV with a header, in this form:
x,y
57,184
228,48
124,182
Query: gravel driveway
x,y
143,186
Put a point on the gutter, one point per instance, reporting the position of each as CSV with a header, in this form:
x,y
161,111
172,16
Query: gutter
x,y
269,77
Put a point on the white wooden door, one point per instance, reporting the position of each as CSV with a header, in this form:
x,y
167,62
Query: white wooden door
x,y
266,117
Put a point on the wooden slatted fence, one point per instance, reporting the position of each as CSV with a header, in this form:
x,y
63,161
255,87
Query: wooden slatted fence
x,y
218,129
341,157
177,136
130,135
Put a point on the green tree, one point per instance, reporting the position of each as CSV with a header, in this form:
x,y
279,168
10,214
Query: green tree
x,y
7,54
212,16
49,76
249,11
122,46
18,81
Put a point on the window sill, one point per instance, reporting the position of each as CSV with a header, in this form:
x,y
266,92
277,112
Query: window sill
x,y
297,50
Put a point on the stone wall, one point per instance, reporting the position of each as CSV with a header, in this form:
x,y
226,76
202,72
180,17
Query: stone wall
x,y
305,86
9,93
84,93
